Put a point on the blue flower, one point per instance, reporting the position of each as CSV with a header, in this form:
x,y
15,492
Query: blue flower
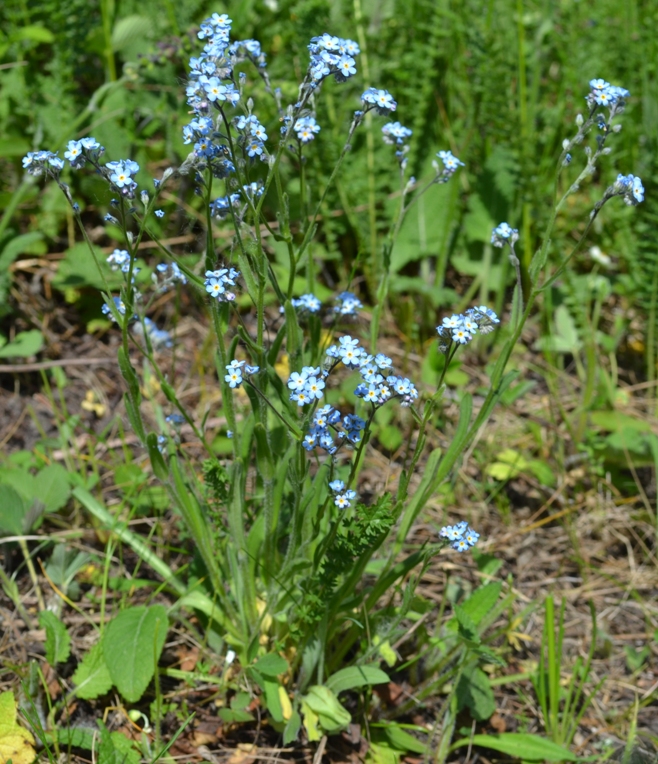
x,y
630,186
395,134
217,281
159,213
234,376
504,234
255,148
74,152
118,304
337,486
461,536
344,500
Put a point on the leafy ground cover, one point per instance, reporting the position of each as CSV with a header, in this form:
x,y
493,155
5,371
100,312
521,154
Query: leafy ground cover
x,y
542,643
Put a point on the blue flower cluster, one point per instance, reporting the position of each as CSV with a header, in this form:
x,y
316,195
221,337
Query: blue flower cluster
x,y
158,337
602,93
118,304
235,371
217,281
330,56
211,84
349,428
120,260
77,152
252,136
380,100
460,328
169,274
396,134
450,166
306,128
461,536
121,173
307,385
379,385
307,303
504,234
348,304
221,207
342,498
630,187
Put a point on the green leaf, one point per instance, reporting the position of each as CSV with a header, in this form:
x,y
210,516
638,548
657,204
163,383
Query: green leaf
x,y
116,748
474,692
12,511
291,730
157,460
482,601
129,30
402,740
79,269
356,676
28,243
92,677
51,486
58,641
75,737
132,644
34,33
235,715
331,715
467,628
271,665
24,344
273,700
521,745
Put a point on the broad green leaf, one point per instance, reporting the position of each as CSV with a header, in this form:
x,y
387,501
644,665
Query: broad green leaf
x,y
79,269
615,421
74,737
467,627
132,644
292,728
235,715
356,676
273,699
92,677
331,715
482,601
129,30
521,745
116,748
474,692
12,511
34,33
51,486
16,743
271,665
381,753
542,472
58,640
402,740
23,345
27,243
